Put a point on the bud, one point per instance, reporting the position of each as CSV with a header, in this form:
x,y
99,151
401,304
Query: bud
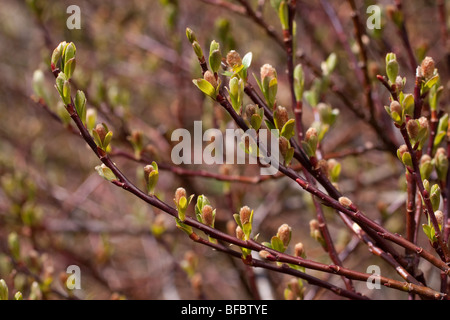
x,y
423,123
234,59
151,177
313,226
267,71
198,50
299,250
427,67
413,129
209,76
404,155
327,114
207,215
391,67
3,290
334,169
284,145
284,233
18,296
63,87
435,196
250,110
346,202
311,133
101,131
439,217
36,293
239,233
234,86
441,164
215,57
102,136
264,254
299,82
179,193
426,166
190,35
105,172
68,53
311,141
399,83
280,117
245,215
57,54
14,245
236,93
396,112
91,118
80,105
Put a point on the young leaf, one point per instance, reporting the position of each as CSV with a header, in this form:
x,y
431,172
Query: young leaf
x,y
206,87
247,60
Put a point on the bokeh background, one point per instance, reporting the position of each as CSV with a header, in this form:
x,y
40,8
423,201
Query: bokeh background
x,y
136,67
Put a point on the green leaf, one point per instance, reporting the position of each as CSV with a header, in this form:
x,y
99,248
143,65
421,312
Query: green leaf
x,y
105,172
68,53
431,82
215,59
283,14
184,227
97,139
335,172
272,91
206,87
258,82
439,137
66,93
277,244
256,121
408,104
311,97
310,152
392,70
289,156
267,244
406,159
288,130
80,105
429,232
247,60
237,218
107,140
57,54
299,82
247,228
330,64
69,67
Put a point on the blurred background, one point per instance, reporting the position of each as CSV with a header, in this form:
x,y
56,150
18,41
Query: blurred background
x,y
136,67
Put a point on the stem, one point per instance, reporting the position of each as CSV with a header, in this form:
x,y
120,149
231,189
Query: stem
x,y
124,183
443,249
